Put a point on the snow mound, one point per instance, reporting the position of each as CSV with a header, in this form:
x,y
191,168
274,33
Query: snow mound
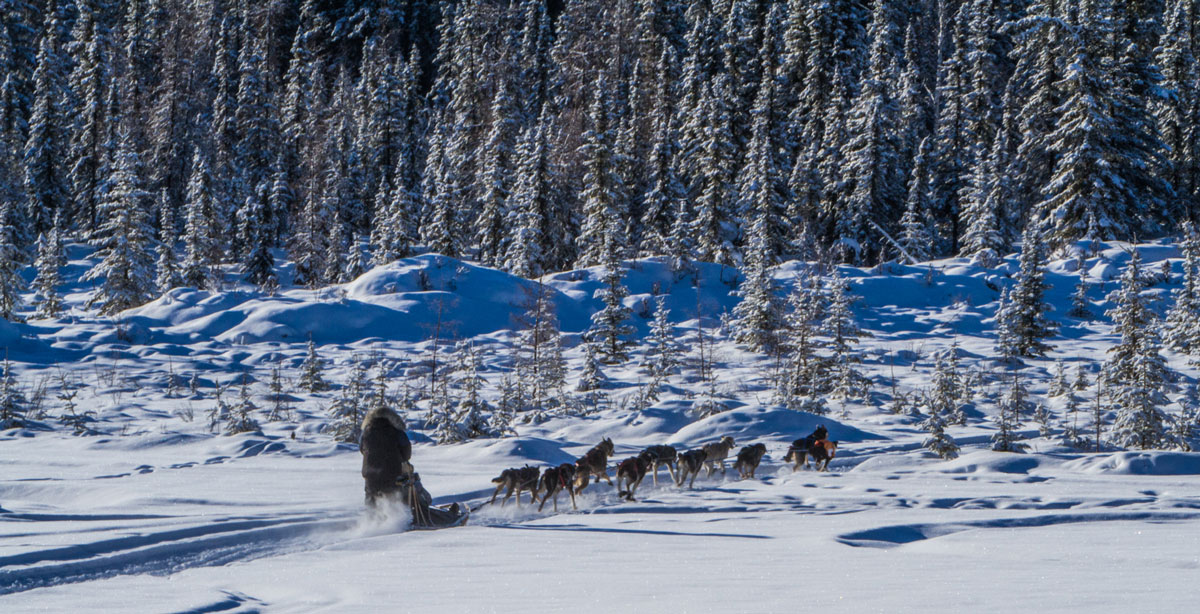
x,y
755,423
1139,463
991,462
399,301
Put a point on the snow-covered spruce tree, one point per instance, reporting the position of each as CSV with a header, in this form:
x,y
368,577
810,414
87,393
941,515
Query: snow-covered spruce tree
x,y
496,178
662,351
1025,313
1080,304
166,272
1006,338
335,256
349,409
712,177
1070,433
202,251
280,408
11,282
610,329
13,405
843,333
1058,385
1181,330
1185,426
939,441
1176,113
805,369
943,399
916,239
871,154
757,317
591,378
124,237
50,260
472,409
1135,372
665,186
241,416
70,416
1042,416
257,263
603,225
311,378
90,80
1008,417
540,349
47,189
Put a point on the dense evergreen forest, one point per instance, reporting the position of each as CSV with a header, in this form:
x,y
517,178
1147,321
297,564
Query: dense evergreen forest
x,y
179,136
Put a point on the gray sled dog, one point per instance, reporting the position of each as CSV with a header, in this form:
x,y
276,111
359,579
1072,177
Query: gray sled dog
x,y
516,480
715,454
594,462
748,459
661,456
690,463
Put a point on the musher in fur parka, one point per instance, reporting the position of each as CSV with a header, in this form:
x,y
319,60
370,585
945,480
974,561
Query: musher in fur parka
x,y
386,451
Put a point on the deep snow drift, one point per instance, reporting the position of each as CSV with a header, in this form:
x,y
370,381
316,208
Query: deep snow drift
x,y
152,511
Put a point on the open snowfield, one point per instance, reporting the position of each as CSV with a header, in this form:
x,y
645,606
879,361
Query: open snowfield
x,y
152,512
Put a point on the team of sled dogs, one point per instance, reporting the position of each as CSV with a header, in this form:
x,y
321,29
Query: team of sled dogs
x,y
682,466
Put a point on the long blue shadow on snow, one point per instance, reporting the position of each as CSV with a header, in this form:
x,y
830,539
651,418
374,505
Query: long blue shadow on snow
x,y
586,529
898,535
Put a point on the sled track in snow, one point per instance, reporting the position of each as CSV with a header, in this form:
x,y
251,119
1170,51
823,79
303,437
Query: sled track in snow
x,y
167,552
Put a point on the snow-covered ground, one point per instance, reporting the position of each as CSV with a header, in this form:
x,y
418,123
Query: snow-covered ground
x,y
153,512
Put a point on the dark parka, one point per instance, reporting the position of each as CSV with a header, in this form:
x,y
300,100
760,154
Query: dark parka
x,y
386,451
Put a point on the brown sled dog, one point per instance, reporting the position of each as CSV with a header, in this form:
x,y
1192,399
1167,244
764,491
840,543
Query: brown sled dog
x,y
799,450
660,456
631,471
516,480
748,459
690,463
555,479
715,453
823,451
595,462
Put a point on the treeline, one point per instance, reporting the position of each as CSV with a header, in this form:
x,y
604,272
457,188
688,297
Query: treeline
x,y
179,136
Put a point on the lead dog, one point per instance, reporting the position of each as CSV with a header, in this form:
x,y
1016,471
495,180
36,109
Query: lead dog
x,y
555,479
660,456
595,462
516,480
748,459
799,450
823,451
690,462
631,471
715,453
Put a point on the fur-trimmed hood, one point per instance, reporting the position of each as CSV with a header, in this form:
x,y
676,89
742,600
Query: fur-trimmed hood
x,y
386,413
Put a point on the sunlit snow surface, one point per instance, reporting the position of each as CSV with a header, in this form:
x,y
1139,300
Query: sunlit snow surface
x,y
157,514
